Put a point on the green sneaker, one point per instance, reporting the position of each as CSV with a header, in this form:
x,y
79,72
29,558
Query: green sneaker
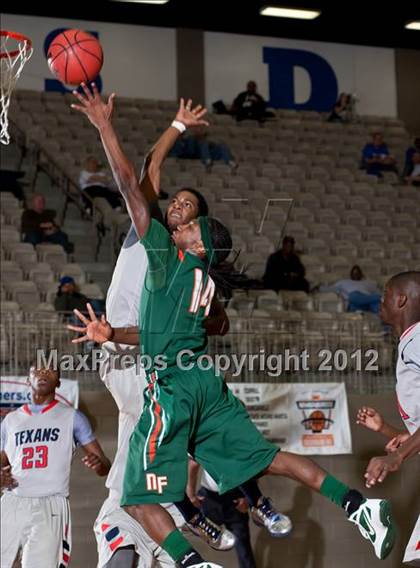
x,y
375,522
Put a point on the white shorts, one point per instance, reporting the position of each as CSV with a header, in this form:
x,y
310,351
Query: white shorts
x,y
412,552
115,528
41,526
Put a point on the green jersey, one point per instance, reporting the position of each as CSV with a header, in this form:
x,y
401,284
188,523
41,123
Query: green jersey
x,y
176,299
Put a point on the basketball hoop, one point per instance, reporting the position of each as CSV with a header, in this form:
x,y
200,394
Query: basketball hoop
x,y
16,49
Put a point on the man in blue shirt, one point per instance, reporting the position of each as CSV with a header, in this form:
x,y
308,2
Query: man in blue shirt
x,y
376,157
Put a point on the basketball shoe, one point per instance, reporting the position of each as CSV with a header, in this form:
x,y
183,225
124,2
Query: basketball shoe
x,y
374,520
217,537
264,515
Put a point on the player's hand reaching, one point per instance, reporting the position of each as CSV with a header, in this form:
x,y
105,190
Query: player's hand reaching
x,y
370,418
191,116
91,104
378,468
94,329
395,443
7,481
241,505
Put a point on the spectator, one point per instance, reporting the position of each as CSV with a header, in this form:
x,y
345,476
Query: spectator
x,y
69,298
358,293
284,270
414,177
94,182
250,105
38,226
196,146
342,109
415,149
376,157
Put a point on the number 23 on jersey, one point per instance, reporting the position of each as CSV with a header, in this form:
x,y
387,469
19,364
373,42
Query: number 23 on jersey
x,y
35,457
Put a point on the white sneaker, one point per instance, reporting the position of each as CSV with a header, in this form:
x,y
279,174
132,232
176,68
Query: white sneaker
x,y
215,536
375,522
265,515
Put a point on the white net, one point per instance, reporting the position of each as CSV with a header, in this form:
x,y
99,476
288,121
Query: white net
x,y
15,52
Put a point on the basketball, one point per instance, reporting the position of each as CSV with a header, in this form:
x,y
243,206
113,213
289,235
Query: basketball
x,y
75,56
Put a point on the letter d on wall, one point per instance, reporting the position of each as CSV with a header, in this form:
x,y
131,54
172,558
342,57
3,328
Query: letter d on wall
x,y
281,63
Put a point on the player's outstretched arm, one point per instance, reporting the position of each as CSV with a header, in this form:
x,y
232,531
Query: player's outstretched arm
x,y
379,467
186,117
95,458
100,114
100,331
373,420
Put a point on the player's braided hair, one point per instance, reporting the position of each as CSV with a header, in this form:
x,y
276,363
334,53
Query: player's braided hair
x,y
220,239
222,272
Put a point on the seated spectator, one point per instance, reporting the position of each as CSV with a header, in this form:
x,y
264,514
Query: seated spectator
x,y
358,293
38,226
94,182
376,157
68,298
414,177
250,105
342,109
408,165
196,146
284,270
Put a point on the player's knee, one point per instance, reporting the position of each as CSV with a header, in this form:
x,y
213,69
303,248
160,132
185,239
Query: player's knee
x,y
279,465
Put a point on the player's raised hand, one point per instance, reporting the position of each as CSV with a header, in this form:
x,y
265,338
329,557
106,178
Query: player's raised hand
x,y
91,104
94,329
370,418
191,116
7,481
378,468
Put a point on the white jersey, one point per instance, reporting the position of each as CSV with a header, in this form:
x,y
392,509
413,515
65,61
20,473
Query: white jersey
x,y
40,449
123,297
408,377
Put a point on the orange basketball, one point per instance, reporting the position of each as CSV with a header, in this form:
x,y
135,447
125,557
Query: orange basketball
x,y
317,419
75,56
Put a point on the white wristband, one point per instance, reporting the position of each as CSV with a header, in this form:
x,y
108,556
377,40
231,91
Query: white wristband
x,y
179,126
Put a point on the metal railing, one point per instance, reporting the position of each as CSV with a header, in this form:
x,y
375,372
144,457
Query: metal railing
x,y
250,352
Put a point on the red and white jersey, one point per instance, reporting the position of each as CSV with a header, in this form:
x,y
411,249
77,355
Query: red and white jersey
x,y
408,377
40,448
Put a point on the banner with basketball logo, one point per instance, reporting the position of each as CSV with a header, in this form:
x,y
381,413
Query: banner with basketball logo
x,y
301,417
15,391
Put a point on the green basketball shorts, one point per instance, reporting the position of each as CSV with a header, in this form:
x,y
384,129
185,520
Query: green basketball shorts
x,y
191,412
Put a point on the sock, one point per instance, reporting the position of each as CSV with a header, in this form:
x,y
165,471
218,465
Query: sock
x,y
251,491
334,490
352,501
187,509
177,546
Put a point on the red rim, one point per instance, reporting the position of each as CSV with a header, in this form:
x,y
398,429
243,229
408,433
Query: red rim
x,y
18,37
